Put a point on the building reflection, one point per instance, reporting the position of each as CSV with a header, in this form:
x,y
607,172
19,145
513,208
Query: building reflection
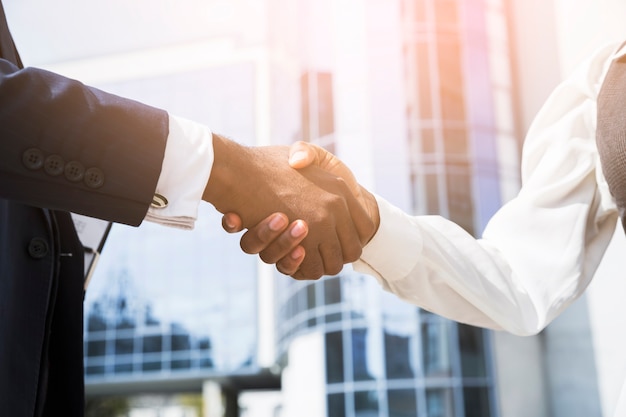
x,y
123,336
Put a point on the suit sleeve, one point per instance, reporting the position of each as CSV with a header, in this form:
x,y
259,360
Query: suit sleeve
x,y
67,146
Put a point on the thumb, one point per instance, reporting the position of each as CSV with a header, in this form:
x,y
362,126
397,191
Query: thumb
x,y
303,154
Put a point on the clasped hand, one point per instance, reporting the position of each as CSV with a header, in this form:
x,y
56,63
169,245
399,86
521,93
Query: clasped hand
x,y
313,228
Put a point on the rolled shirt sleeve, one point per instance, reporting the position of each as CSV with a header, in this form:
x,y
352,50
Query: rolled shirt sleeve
x,y
539,251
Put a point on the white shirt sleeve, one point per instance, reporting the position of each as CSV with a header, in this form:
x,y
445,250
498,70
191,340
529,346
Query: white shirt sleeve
x,y
539,251
184,174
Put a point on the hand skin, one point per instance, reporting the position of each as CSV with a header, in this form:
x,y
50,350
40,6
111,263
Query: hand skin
x,y
279,242
274,239
255,182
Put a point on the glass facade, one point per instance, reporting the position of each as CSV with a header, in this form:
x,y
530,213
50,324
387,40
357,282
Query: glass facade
x,y
318,118
167,304
459,106
384,357
161,308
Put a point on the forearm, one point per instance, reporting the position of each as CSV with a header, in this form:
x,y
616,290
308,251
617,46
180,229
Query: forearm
x,y
120,140
514,279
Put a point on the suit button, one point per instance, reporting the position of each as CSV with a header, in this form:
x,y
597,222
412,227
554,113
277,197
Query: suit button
x,y
38,248
94,178
54,165
74,171
32,158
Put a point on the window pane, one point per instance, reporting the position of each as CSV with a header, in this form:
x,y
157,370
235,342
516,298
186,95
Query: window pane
x,y
428,140
459,183
397,356
151,366
435,346
336,405
451,80
359,355
122,365
317,105
432,193
334,357
94,370
180,342
420,11
332,291
310,296
476,402
365,404
333,317
96,348
446,12
455,143
124,346
402,403
152,344
472,346
181,364
305,106
95,321
439,403
326,115
424,81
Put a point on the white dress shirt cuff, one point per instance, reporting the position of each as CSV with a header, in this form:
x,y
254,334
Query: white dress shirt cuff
x,y
385,261
185,172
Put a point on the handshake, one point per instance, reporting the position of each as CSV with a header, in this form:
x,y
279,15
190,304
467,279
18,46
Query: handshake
x,y
302,206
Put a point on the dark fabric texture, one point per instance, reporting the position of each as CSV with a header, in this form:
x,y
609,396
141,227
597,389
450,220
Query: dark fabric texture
x,y
64,147
611,132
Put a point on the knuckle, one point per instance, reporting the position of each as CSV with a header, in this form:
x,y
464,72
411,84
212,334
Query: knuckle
x,y
334,268
284,244
352,253
311,271
263,235
341,184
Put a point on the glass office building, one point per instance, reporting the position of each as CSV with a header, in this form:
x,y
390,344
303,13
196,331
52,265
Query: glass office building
x,y
415,95
383,357
170,310
159,314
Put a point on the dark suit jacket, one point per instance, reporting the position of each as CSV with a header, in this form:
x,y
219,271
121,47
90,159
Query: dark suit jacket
x,y
63,147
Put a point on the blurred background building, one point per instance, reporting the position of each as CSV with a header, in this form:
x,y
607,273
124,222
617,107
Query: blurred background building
x,y
427,101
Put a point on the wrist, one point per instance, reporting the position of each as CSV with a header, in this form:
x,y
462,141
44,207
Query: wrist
x,y
371,206
226,156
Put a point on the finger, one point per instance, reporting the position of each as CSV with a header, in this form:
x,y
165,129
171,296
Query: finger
x,y
287,241
260,236
312,267
232,223
332,257
353,225
303,154
362,224
290,263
